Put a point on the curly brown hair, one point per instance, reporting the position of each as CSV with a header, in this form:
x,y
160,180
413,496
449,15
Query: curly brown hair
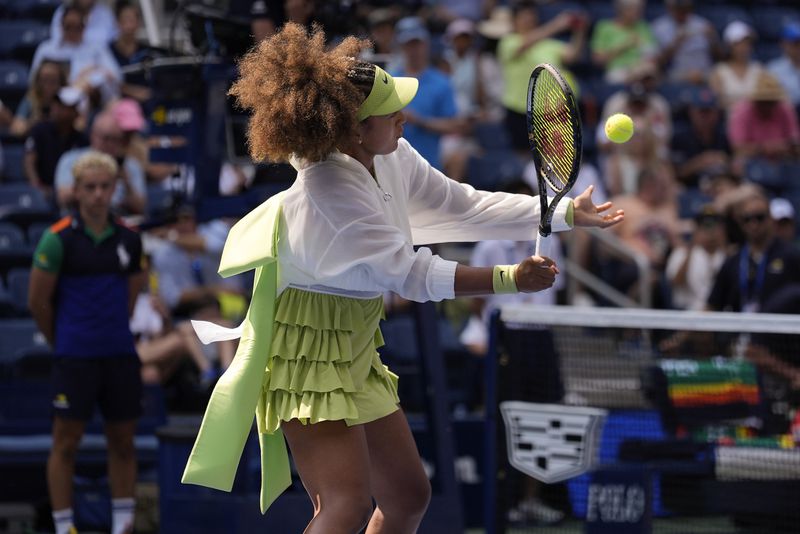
x,y
303,97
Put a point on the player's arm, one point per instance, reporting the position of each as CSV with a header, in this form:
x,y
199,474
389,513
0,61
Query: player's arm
x,y
532,274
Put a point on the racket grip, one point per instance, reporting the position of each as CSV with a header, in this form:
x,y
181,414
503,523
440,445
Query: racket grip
x,y
542,245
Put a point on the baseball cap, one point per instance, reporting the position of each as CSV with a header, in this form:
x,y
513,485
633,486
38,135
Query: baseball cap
x,y
388,94
460,27
70,96
791,31
128,115
702,97
780,208
411,28
737,31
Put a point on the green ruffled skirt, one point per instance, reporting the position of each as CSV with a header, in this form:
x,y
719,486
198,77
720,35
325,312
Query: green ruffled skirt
x,y
323,364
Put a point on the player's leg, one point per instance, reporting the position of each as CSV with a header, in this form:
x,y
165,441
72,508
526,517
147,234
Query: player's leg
x,y
333,462
399,483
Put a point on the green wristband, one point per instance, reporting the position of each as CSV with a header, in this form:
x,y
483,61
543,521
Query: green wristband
x,y
570,217
504,279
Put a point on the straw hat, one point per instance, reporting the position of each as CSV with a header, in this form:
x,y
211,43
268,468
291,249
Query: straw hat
x,y
498,24
767,89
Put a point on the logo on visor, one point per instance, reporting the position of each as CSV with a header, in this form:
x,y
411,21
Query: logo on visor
x,y
385,79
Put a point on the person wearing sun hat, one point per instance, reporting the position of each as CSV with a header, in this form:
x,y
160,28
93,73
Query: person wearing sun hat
x,y
734,78
325,251
765,125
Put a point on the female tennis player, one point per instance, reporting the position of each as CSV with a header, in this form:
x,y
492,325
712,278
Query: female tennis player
x,y
342,235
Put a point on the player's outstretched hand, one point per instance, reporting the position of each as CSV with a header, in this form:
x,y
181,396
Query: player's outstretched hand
x,y
536,273
587,214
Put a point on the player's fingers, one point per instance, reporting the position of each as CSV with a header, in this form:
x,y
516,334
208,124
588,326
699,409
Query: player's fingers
x,y
603,207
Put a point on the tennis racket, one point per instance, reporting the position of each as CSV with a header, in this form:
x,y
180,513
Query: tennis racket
x,y
554,134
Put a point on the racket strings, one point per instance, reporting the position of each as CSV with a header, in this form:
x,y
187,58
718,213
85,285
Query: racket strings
x,y
553,130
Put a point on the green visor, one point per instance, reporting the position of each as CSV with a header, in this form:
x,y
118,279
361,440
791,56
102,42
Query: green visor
x,y
387,95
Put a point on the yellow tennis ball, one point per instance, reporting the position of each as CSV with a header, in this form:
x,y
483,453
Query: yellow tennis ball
x,y
619,128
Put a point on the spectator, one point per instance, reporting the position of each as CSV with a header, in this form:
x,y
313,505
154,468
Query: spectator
x,y
764,126
528,45
128,50
432,113
651,227
763,266
35,105
687,43
101,27
735,78
86,272
691,267
130,193
380,24
653,119
621,44
702,151
787,67
90,65
186,267
783,213
50,139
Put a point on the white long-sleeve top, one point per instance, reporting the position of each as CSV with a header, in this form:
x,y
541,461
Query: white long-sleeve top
x,y
341,233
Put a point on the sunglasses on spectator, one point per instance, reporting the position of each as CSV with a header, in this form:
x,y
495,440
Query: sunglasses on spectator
x,y
759,217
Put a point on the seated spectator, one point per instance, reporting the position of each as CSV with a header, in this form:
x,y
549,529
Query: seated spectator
x,y
651,115
432,113
35,105
130,194
764,125
51,138
703,150
763,266
692,266
528,45
186,263
101,26
129,50
384,52
734,78
90,65
651,227
128,115
687,43
783,213
787,67
621,44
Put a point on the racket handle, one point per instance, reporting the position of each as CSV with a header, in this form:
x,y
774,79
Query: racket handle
x,y
542,245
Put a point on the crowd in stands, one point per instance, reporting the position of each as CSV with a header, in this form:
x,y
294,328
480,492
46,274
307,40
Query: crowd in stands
x,y
713,89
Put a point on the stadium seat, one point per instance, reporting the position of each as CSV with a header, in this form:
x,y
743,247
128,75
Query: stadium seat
x,y
40,10
17,280
768,21
13,80
552,9
13,166
11,236
599,10
22,195
492,135
491,170
35,232
766,51
18,335
19,38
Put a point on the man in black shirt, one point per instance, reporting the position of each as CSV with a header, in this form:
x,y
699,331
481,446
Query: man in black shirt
x,y
762,267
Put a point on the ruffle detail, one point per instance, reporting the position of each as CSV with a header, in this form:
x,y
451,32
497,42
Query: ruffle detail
x,y
323,361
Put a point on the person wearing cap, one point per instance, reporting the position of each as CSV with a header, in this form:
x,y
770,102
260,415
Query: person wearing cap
x,y
701,151
621,43
529,44
783,213
433,113
325,251
734,78
786,68
765,125
687,42
691,267
50,139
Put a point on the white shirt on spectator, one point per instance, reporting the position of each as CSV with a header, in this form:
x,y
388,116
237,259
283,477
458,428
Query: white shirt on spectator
x,y
789,75
101,25
700,275
694,53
